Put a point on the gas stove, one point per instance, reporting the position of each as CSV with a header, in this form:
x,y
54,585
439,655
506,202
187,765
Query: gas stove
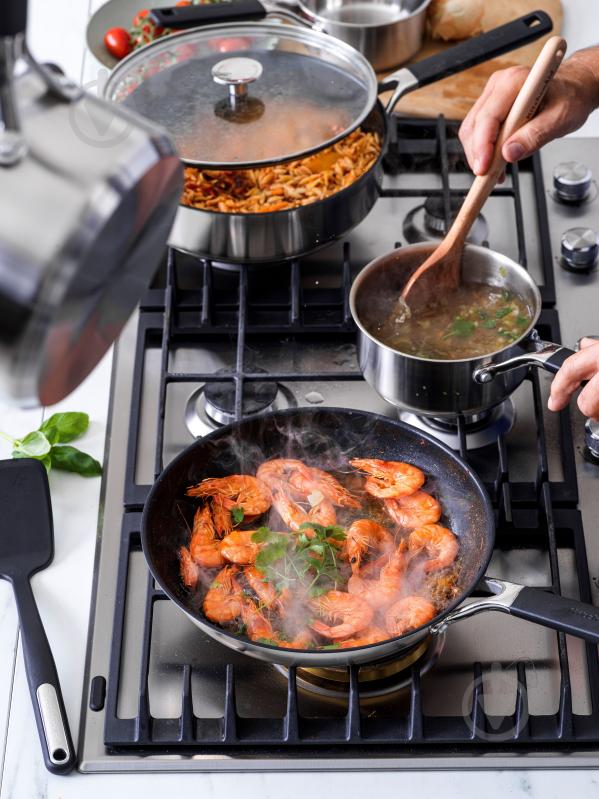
x,y
212,343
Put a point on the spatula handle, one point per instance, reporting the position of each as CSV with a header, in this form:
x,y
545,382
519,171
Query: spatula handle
x,y
524,108
44,687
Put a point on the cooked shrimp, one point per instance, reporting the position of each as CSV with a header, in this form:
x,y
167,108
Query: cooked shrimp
x,y
222,516
363,535
440,544
372,636
407,614
224,599
279,470
236,491
238,547
291,513
257,625
265,591
204,546
294,515
382,592
389,479
302,640
190,571
309,480
350,615
414,510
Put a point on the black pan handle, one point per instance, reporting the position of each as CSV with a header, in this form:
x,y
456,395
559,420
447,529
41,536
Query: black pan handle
x,y
557,612
532,604
194,16
482,48
467,54
13,17
44,687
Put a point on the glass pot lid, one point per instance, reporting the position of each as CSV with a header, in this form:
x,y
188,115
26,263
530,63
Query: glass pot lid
x,y
247,94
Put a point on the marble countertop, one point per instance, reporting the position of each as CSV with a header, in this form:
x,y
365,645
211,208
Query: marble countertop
x,y
63,591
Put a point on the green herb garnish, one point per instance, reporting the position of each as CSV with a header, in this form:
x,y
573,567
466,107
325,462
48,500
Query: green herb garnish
x,y
47,444
237,514
503,312
522,320
462,328
309,561
489,324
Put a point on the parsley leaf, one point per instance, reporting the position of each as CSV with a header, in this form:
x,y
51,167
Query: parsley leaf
x,y
237,514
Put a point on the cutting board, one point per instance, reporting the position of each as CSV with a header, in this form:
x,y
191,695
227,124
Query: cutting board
x,y
454,96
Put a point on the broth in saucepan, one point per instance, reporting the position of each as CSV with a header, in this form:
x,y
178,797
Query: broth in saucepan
x,y
475,320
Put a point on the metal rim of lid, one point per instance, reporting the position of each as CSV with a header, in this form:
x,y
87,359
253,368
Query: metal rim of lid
x,y
323,21
328,44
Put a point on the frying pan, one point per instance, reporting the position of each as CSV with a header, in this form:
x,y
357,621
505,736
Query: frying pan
x,y
327,436
290,233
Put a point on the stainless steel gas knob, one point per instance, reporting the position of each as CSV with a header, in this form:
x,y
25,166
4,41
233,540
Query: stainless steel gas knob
x,y
579,248
572,181
591,440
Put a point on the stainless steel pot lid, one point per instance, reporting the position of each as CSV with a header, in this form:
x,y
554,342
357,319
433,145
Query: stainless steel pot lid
x,y
247,94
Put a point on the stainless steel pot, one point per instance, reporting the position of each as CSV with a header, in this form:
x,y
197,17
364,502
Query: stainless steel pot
x,y
387,32
280,235
88,193
439,387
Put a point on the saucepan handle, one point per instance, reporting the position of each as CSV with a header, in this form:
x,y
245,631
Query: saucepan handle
x,y
208,14
467,54
545,355
532,604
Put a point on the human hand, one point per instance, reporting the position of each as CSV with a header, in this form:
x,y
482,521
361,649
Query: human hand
x,y
584,365
572,95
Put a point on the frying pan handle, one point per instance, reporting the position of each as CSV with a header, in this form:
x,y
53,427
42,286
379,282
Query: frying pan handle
x,y
44,687
469,53
193,16
546,355
532,604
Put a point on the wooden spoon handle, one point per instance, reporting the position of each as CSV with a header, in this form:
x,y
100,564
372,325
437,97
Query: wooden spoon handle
x,y
524,108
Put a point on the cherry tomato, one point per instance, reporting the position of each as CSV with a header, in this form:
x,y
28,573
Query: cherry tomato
x,y
183,3
139,17
117,42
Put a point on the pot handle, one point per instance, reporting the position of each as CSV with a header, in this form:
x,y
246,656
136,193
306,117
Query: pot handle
x,y
477,50
546,356
533,604
181,17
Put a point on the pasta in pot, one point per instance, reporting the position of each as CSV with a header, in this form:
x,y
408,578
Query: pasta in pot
x,y
284,186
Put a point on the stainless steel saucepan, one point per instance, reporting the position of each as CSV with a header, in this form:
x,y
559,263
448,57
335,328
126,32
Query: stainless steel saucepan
x,y
387,32
445,388
291,92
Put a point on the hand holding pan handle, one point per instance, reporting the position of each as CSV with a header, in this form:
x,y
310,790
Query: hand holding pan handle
x,y
533,604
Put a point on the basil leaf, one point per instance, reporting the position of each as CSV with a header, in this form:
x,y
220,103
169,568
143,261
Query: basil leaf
x,y
71,459
237,514
63,427
489,324
503,312
34,445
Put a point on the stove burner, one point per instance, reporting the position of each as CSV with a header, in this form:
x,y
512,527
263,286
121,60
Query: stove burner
x,y
481,429
213,404
220,398
427,222
376,679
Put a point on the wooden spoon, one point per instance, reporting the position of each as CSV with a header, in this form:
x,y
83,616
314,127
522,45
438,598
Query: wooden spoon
x,y
447,258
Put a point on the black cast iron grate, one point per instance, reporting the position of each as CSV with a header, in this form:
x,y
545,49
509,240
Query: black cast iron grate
x,y
236,305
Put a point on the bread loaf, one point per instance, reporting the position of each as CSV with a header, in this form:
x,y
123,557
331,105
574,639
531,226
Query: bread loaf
x,y
455,19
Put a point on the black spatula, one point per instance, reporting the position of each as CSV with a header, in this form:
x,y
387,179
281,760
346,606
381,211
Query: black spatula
x,y
26,547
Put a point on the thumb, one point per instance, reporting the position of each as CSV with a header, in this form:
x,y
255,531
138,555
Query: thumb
x,y
550,123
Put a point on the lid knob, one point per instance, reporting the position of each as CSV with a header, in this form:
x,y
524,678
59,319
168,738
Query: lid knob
x,y
237,74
